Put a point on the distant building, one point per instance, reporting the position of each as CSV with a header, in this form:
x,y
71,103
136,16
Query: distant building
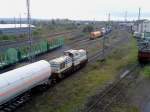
x,y
14,29
142,26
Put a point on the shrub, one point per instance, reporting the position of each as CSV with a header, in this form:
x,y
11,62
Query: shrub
x,y
88,29
146,71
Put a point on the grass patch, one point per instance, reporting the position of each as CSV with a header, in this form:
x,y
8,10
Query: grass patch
x,y
124,108
72,94
146,71
8,37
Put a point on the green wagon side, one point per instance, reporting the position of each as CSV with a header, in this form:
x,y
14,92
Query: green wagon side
x,y
12,55
8,57
3,60
43,46
39,48
36,49
55,43
23,52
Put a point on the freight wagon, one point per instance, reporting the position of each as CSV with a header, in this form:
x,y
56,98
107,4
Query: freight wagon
x,y
103,31
14,55
96,34
144,48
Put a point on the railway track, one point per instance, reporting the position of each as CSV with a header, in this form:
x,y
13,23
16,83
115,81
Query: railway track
x,y
57,34
107,50
108,96
82,40
86,41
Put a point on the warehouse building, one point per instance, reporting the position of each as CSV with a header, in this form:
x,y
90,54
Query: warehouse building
x,y
142,26
14,29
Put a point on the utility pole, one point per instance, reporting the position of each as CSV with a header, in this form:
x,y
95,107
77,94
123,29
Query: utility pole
x,y
15,25
15,22
94,21
103,59
104,37
20,20
139,15
126,14
109,17
29,29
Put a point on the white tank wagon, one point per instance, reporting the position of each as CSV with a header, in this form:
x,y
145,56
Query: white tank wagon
x,y
16,82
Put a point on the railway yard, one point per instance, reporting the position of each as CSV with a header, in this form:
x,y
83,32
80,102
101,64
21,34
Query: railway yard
x,y
74,56
111,80
72,100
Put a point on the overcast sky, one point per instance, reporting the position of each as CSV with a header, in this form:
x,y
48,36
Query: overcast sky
x,y
76,9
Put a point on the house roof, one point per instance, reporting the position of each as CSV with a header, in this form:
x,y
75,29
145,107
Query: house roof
x,y
7,26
